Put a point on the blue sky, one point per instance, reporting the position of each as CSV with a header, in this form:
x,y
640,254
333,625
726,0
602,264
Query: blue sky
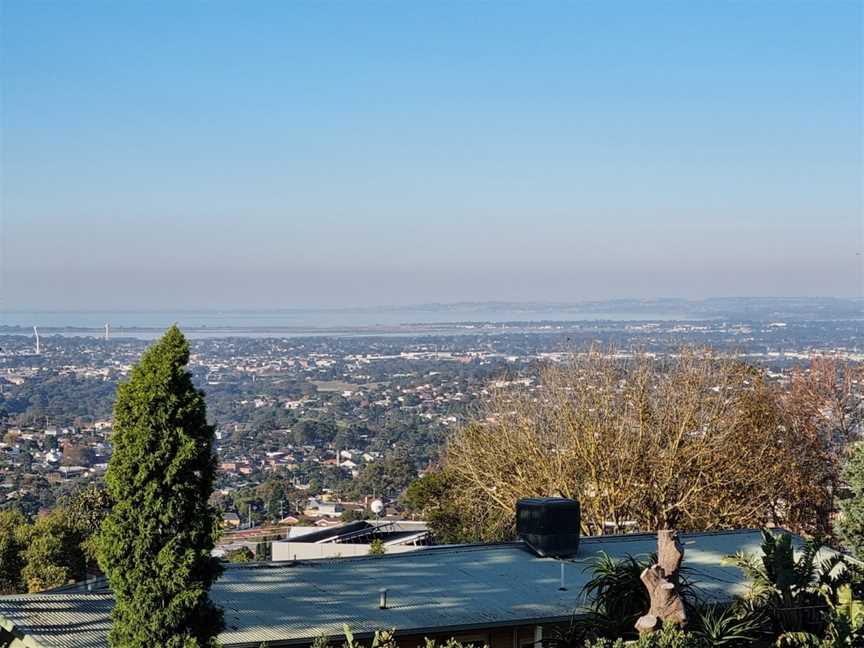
x,y
233,154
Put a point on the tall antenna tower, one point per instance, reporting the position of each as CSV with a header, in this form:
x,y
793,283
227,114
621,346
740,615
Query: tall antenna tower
x,y
107,331
38,341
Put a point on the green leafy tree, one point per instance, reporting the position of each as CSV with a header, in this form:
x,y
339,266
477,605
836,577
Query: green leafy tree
x,y
53,554
851,526
241,555
353,515
88,507
275,495
248,505
377,548
85,510
155,545
11,562
264,547
387,478
432,497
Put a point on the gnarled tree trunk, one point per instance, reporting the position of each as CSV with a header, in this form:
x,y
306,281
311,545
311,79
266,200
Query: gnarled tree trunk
x,y
661,581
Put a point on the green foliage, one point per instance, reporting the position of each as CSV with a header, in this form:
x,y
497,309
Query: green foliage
x,y
264,547
387,639
850,607
851,525
844,626
65,398
55,549
155,544
381,639
604,643
792,591
671,636
431,497
668,637
353,515
321,641
728,626
53,554
388,477
796,601
845,621
241,555
377,548
86,509
798,640
11,561
449,643
615,595
275,496
615,598
265,501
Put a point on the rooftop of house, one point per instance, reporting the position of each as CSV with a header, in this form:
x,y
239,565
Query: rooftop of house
x,y
360,531
440,589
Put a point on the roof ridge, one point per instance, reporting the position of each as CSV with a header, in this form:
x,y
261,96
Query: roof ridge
x,y
618,537
474,546
425,551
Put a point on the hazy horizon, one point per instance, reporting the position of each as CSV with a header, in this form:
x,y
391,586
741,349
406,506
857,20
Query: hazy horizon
x,y
312,155
431,305
395,319
522,302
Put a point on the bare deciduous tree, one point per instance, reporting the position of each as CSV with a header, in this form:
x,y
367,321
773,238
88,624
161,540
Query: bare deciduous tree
x,y
822,410
694,442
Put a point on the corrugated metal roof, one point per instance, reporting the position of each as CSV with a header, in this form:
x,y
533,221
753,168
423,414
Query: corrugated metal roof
x,y
59,620
444,588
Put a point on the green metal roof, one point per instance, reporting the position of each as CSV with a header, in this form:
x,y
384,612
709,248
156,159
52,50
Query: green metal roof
x,y
439,589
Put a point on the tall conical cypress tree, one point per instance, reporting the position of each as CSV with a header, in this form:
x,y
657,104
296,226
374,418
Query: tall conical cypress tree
x,y
155,544
851,525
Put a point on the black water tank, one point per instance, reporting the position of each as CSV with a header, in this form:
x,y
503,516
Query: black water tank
x,y
549,525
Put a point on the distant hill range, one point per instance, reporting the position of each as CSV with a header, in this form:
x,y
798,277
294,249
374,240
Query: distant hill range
x,y
737,308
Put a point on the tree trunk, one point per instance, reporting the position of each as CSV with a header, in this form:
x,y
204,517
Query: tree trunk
x,y
661,581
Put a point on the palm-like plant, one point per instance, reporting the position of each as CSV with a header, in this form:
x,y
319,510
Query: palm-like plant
x,y
615,598
793,592
615,594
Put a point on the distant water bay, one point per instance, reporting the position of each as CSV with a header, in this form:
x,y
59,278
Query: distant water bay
x,y
210,323
427,319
